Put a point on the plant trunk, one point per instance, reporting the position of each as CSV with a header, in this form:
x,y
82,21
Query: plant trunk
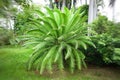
x,y
63,4
92,13
85,1
72,3
113,13
50,5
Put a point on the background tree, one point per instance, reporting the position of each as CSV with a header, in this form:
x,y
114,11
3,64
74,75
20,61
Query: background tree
x,y
8,9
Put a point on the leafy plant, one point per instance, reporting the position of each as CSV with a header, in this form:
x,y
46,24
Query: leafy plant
x,y
5,36
56,37
106,39
23,18
100,25
104,50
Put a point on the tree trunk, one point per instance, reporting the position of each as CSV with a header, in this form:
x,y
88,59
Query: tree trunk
x,y
113,13
59,5
92,13
63,4
50,5
85,1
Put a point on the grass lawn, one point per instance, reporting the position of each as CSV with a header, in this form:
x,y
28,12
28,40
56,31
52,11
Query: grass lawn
x,y
13,67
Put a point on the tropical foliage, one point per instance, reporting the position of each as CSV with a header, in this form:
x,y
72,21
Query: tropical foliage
x,y
56,38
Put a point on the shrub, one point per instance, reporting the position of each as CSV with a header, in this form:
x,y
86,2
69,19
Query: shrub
x,y
100,25
56,36
22,19
103,52
5,36
106,39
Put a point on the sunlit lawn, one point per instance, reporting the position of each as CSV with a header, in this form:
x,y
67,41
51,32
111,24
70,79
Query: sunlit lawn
x,y
13,67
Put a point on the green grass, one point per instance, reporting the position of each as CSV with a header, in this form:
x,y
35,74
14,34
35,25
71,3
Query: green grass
x,y
13,67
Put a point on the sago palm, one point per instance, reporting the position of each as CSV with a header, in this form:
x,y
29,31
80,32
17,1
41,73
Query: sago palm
x,y
57,36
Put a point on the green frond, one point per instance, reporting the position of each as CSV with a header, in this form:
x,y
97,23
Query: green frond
x,y
89,43
60,62
69,52
49,64
49,12
34,57
78,59
40,45
72,63
59,52
57,17
27,44
40,13
66,10
52,22
65,19
47,57
84,64
82,56
83,45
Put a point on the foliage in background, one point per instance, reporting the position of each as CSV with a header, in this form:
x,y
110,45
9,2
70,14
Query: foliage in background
x,y
6,6
100,25
103,25
103,52
5,36
23,18
106,37
56,37
114,30
116,56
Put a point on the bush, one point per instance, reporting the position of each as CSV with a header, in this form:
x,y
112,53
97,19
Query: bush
x,y
103,52
22,19
103,25
5,36
106,37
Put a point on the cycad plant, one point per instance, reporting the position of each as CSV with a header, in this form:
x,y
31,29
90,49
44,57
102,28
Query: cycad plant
x,y
56,37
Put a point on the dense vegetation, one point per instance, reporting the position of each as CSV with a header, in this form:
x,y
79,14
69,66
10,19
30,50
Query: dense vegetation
x,y
58,39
